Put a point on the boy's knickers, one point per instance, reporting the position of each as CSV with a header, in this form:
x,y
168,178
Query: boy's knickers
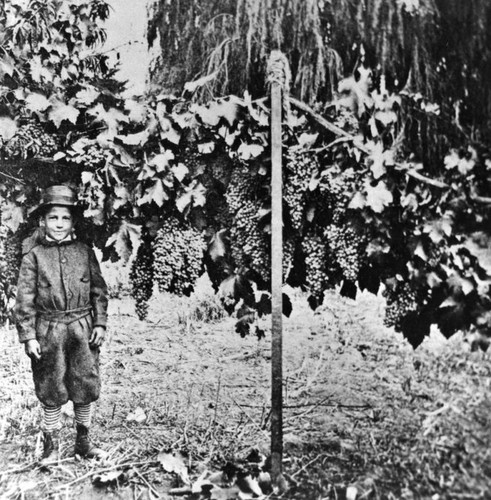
x,y
69,367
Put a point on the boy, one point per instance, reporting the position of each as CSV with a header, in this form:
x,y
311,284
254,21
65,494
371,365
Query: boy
x,y
61,312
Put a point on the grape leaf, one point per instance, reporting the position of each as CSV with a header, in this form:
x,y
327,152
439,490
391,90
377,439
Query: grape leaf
x,y
87,95
7,65
111,118
193,196
378,197
161,162
307,140
37,102
137,416
125,239
12,215
263,305
180,171
155,193
107,478
217,248
248,151
167,127
8,128
39,71
174,462
358,201
196,84
121,197
206,147
415,327
62,112
214,111
137,139
451,319
137,111
377,161
287,305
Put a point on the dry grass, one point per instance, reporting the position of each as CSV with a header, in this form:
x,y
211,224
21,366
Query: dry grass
x,y
361,408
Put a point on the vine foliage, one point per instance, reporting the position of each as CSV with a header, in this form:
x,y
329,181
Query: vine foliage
x,y
184,187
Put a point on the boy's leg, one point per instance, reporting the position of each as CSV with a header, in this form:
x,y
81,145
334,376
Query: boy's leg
x,y
83,446
51,427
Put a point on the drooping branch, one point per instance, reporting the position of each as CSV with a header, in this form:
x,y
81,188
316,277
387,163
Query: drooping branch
x,y
340,132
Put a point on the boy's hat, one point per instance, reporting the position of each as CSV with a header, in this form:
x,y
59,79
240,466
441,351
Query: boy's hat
x,y
56,195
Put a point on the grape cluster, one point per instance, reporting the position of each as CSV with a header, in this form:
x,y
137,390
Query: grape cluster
x,y
91,157
191,158
178,257
338,188
248,244
141,277
347,120
240,188
288,256
299,168
346,248
10,259
400,301
12,256
315,253
435,257
29,141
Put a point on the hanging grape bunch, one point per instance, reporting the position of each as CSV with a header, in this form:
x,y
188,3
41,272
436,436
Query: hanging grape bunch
x,y
346,247
13,256
288,254
10,259
338,188
248,243
91,156
298,173
141,276
401,300
30,141
240,189
178,257
316,279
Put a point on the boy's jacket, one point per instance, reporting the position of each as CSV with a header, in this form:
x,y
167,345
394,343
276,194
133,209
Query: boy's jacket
x,y
58,277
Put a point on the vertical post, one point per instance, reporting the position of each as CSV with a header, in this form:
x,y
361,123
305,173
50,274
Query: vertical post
x,y
276,285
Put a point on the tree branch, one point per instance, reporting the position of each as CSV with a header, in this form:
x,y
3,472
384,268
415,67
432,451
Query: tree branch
x,y
11,177
340,132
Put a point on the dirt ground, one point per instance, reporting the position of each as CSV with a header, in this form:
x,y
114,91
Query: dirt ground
x,y
365,416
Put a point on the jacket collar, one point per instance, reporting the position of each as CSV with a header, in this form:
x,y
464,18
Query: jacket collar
x,y
50,242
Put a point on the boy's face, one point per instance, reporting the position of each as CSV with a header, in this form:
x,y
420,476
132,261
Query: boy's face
x,y
58,222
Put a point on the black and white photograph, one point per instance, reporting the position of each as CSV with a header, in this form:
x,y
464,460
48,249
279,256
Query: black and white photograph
x,y
245,249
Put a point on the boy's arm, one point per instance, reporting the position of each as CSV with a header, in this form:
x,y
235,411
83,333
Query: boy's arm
x,y
25,309
98,292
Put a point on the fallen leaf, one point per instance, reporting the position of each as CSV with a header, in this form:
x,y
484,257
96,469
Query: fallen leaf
x,y
138,416
174,463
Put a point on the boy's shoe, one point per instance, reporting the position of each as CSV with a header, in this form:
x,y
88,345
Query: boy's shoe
x,y
84,447
51,449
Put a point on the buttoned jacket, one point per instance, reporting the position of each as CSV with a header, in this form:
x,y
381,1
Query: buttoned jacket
x,y
58,277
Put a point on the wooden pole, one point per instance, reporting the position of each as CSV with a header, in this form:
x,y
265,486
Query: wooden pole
x,y
276,286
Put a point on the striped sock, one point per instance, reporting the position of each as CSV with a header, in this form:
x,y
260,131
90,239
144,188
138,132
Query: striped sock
x,y
83,414
51,418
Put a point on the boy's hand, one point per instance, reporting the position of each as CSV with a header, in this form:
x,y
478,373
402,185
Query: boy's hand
x,y
33,349
98,336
